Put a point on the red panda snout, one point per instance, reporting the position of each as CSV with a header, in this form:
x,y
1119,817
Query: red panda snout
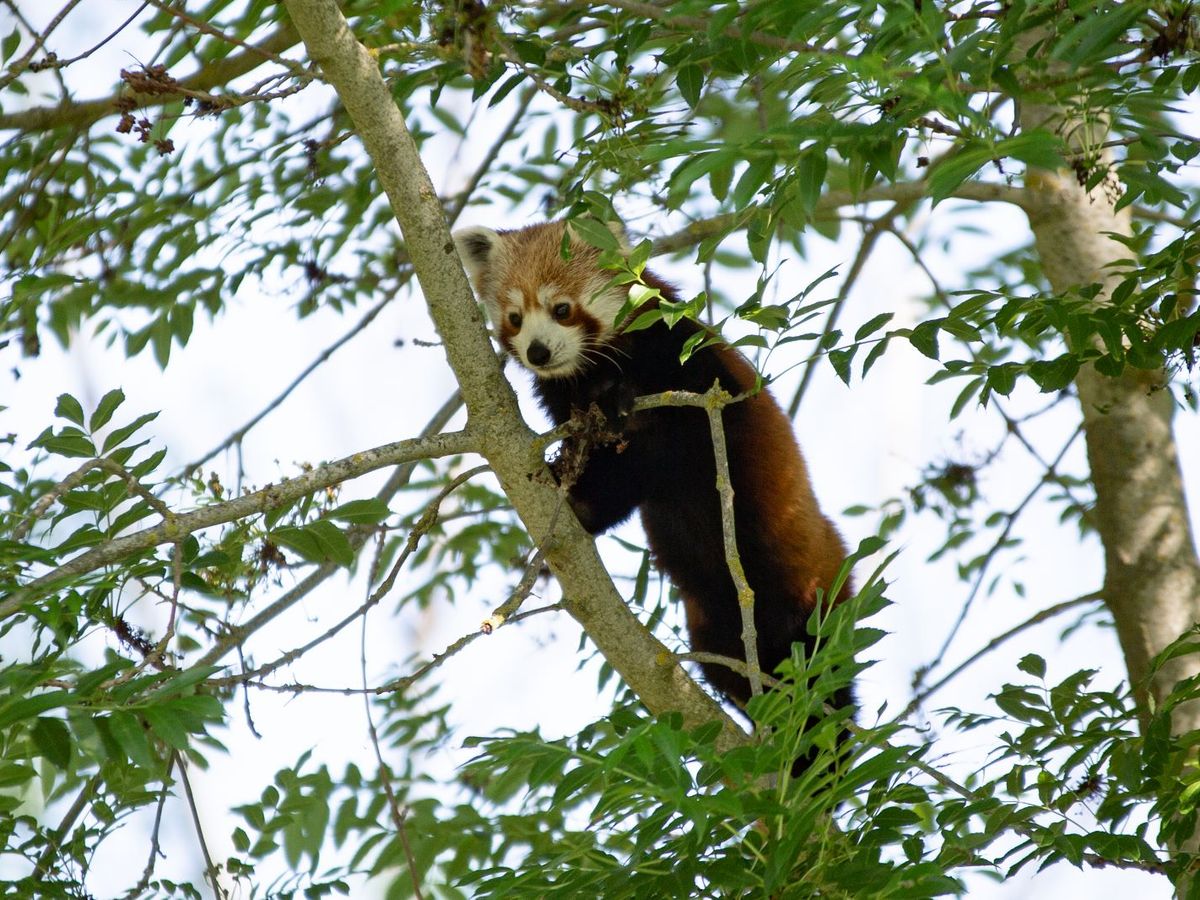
x,y
549,347
538,353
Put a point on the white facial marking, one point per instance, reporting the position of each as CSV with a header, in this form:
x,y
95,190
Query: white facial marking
x,y
564,343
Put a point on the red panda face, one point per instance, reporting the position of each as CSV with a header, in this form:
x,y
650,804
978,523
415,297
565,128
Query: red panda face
x,y
553,314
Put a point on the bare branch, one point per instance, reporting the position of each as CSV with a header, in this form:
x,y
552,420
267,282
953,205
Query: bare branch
x,y
240,433
1010,520
428,519
82,799
716,399
903,192
271,497
996,642
155,851
356,535
871,235
210,868
18,66
215,74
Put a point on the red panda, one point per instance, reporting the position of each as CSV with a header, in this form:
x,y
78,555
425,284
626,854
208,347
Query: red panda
x,y
557,317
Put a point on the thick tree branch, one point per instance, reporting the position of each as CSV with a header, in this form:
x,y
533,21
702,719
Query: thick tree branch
x,y
270,497
506,441
214,74
902,193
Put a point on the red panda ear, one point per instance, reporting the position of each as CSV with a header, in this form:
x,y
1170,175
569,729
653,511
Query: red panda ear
x,y
475,246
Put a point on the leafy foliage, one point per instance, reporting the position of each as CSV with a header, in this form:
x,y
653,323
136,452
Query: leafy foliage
x,y
224,175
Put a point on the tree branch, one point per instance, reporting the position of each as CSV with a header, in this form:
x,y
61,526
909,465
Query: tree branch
x,y
506,442
901,192
214,74
270,497
715,401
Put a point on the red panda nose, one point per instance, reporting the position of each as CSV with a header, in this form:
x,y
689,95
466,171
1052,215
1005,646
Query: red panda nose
x,y
538,353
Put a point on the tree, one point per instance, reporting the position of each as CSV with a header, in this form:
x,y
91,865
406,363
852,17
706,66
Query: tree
x,y
254,146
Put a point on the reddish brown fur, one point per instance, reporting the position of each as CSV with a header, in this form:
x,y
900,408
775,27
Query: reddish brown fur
x,y
665,467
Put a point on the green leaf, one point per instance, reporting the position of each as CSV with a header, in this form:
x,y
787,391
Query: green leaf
x,y
167,725
333,542
1033,664
180,682
841,360
752,179
120,435
181,323
366,512
300,540
320,541
965,395
160,340
947,175
70,444
873,325
1055,374
29,707
53,740
876,352
1037,148
690,81
13,774
925,338
1002,379
10,44
594,232
719,179
1095,37
105,408
810,176
69,408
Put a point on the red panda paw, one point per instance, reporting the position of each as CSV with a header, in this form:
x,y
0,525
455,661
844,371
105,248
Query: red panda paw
x,y
613,396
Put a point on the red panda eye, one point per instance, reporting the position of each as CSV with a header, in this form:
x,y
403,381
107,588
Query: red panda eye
x,y
514,319
562,310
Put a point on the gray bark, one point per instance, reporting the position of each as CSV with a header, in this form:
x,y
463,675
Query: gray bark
x,y
505,441
1152,575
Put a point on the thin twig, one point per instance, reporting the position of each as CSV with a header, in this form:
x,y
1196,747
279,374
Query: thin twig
x,y
356,536
427,520
454,210
701,25
210,868
68,822
996,642
398,813
200,25
1009,522
240,433
18,66
221,72
729,662
155,851
1031,830
871,235
716,400
271,497
505,613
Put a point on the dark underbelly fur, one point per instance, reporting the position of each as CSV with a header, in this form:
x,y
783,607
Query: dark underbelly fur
x,y
664,465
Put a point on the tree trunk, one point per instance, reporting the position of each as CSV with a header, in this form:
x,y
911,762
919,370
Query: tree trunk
x,y
1152,575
